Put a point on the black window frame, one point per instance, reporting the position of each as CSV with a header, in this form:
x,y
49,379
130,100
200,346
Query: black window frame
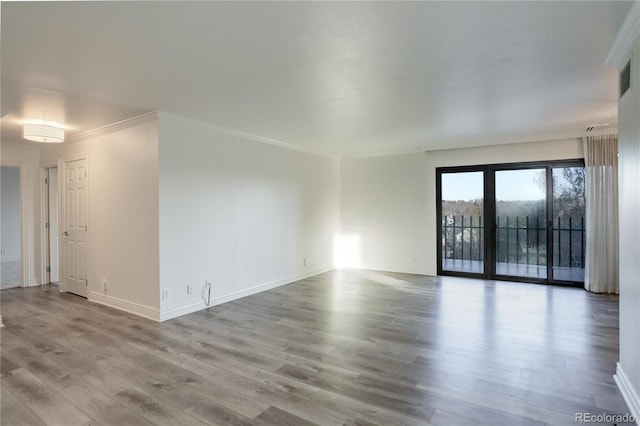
x,y
489,212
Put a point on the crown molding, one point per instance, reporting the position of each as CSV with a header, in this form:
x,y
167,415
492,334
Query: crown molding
x,y
114,127
155,115
454,144
482,143
252,137
394,153
627,35
578,135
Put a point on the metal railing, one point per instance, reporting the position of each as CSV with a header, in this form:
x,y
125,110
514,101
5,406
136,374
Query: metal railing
x,y
519,241
569,242
455,230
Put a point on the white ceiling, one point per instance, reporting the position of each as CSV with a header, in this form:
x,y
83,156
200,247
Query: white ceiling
x,y
339,77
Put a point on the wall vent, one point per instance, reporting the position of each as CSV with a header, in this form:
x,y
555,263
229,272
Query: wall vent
x,y
625,79
597,127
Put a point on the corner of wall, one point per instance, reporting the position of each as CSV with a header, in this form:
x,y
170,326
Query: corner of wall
x,y
629,394
627,47
123,211
125,305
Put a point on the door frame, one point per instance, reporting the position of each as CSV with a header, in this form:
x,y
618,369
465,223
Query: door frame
x,y
459,169
44,219
489,212
60,165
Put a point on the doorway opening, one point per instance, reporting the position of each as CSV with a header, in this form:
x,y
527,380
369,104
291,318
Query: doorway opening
x,y
10,229
51,226
519,222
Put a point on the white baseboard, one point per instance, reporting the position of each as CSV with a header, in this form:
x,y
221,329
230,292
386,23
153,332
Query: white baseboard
x,y
403,269
124,305
629,394
169,313
33,282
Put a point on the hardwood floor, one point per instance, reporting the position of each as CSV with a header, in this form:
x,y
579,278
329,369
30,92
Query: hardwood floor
x,y
341,348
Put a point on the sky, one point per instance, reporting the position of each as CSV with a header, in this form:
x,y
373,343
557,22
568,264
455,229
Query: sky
x,y
510,185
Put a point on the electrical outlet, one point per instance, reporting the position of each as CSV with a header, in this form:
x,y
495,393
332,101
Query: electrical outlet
x,y
189,289
165,295
103,284
3,252
304,262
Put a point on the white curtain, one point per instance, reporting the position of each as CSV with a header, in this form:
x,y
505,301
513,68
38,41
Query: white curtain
x,y
601,171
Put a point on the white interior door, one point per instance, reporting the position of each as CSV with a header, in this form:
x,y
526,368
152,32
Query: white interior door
x,y
74,230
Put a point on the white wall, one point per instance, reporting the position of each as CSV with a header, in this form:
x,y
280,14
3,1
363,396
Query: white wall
x,y
629,205
123,213
10,215
383,213
174,201
239,213
389,202
27,158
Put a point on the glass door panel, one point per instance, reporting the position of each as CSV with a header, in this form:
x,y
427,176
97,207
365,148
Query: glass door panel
x,y
535,221
520,223
462,222
568,223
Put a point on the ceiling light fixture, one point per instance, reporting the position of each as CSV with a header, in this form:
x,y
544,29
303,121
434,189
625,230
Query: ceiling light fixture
x,y
43,131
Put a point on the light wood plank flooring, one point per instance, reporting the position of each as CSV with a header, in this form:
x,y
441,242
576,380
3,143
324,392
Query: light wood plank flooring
x,y
341,348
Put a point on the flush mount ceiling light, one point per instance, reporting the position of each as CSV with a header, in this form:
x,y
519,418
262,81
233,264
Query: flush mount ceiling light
x,y
43,131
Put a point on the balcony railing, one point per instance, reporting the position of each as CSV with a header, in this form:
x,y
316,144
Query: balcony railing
x,y
520,240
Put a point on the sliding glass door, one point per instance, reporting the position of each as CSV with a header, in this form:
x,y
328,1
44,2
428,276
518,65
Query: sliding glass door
x,y
512,221
462,224
520,223
568,223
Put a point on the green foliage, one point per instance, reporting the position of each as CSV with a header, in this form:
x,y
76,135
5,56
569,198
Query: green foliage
x,y
569,195
568,200
474,208
463,208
